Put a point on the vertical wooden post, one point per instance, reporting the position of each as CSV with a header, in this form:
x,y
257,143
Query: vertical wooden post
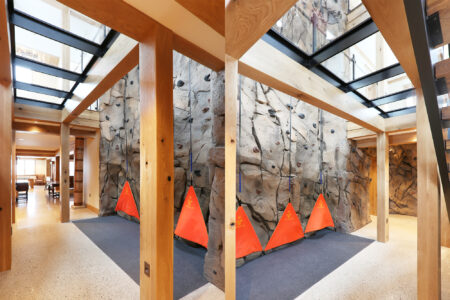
x,y
5,176
231,84
78,178
57,167
445,224
157,164
13,176
382,187
64,195
428,209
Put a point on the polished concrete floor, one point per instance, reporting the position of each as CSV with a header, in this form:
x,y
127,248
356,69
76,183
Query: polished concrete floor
x,y
380,271
57,261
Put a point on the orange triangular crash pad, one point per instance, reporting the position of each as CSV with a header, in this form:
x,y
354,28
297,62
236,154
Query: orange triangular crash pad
x,y
126,202
247,241
191,225
289,229
320,217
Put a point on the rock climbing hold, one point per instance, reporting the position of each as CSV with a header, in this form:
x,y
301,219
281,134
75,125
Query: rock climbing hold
x,y
255,149
301,116
314,125
198,173
332,130
207,77
205,110
180,83
107,118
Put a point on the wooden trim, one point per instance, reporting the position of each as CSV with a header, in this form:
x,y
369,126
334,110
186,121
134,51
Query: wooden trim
x,y
282,73
157,167
210,12
428,210
13,176
51,129
5,176
231,84
35,152
248,20
64,174
436,5
78,176
382,187
93,209
442,68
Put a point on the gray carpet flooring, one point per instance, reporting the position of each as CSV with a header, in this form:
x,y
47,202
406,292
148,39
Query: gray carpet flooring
x,y
288,272
119,239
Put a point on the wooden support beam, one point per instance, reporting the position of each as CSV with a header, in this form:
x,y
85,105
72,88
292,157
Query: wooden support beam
x,y
64,182
13,176
390,18
445,223
34,152
5,48
442,68
210,12
444,19
116,63
382,187
51,129
428,210
157,164
402,138
192,37
231,84
248,20
78,178
5,175
284,74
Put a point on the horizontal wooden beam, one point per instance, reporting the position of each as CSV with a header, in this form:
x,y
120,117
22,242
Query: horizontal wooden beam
x,y
210,12
442,70
51,129
34,152
269,66
394,139
248,20
192,37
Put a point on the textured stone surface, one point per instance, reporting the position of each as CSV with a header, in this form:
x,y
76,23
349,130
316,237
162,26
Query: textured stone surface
x,y
264,162
402,178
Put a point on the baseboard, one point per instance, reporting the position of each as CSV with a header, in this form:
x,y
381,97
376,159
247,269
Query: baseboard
x,y
92,208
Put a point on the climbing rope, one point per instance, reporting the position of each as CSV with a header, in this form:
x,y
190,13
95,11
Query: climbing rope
x,y
190,123
321,150
290,146
239,142
125,125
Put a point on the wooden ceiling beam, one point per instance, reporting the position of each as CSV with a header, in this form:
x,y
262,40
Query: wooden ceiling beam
x,y
210,12
34,152
269,66
126,19
51,129
248,20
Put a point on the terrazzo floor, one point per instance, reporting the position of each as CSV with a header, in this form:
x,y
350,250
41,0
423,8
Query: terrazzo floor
x,y
52,260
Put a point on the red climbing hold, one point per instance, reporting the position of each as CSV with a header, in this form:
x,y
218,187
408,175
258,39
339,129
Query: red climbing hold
x,y
320,217
288,230
191,225
247,241
126,202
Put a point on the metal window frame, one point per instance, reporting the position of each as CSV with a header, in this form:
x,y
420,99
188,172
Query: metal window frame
x,y
45,68
348,39
47,30
401,111
39,89
394,97
52,32
422,45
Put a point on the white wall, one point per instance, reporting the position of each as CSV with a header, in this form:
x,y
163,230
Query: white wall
x,y
91,168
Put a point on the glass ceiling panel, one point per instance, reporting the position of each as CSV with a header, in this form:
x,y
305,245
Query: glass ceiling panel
x,y
36,47
408,102
54,13
40,97
385,87
312,24
369,55
33,77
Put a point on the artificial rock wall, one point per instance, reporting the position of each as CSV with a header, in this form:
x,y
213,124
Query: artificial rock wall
x,y
402,178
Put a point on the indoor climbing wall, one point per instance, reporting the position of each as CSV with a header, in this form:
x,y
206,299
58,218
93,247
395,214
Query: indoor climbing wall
x,y
264,162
